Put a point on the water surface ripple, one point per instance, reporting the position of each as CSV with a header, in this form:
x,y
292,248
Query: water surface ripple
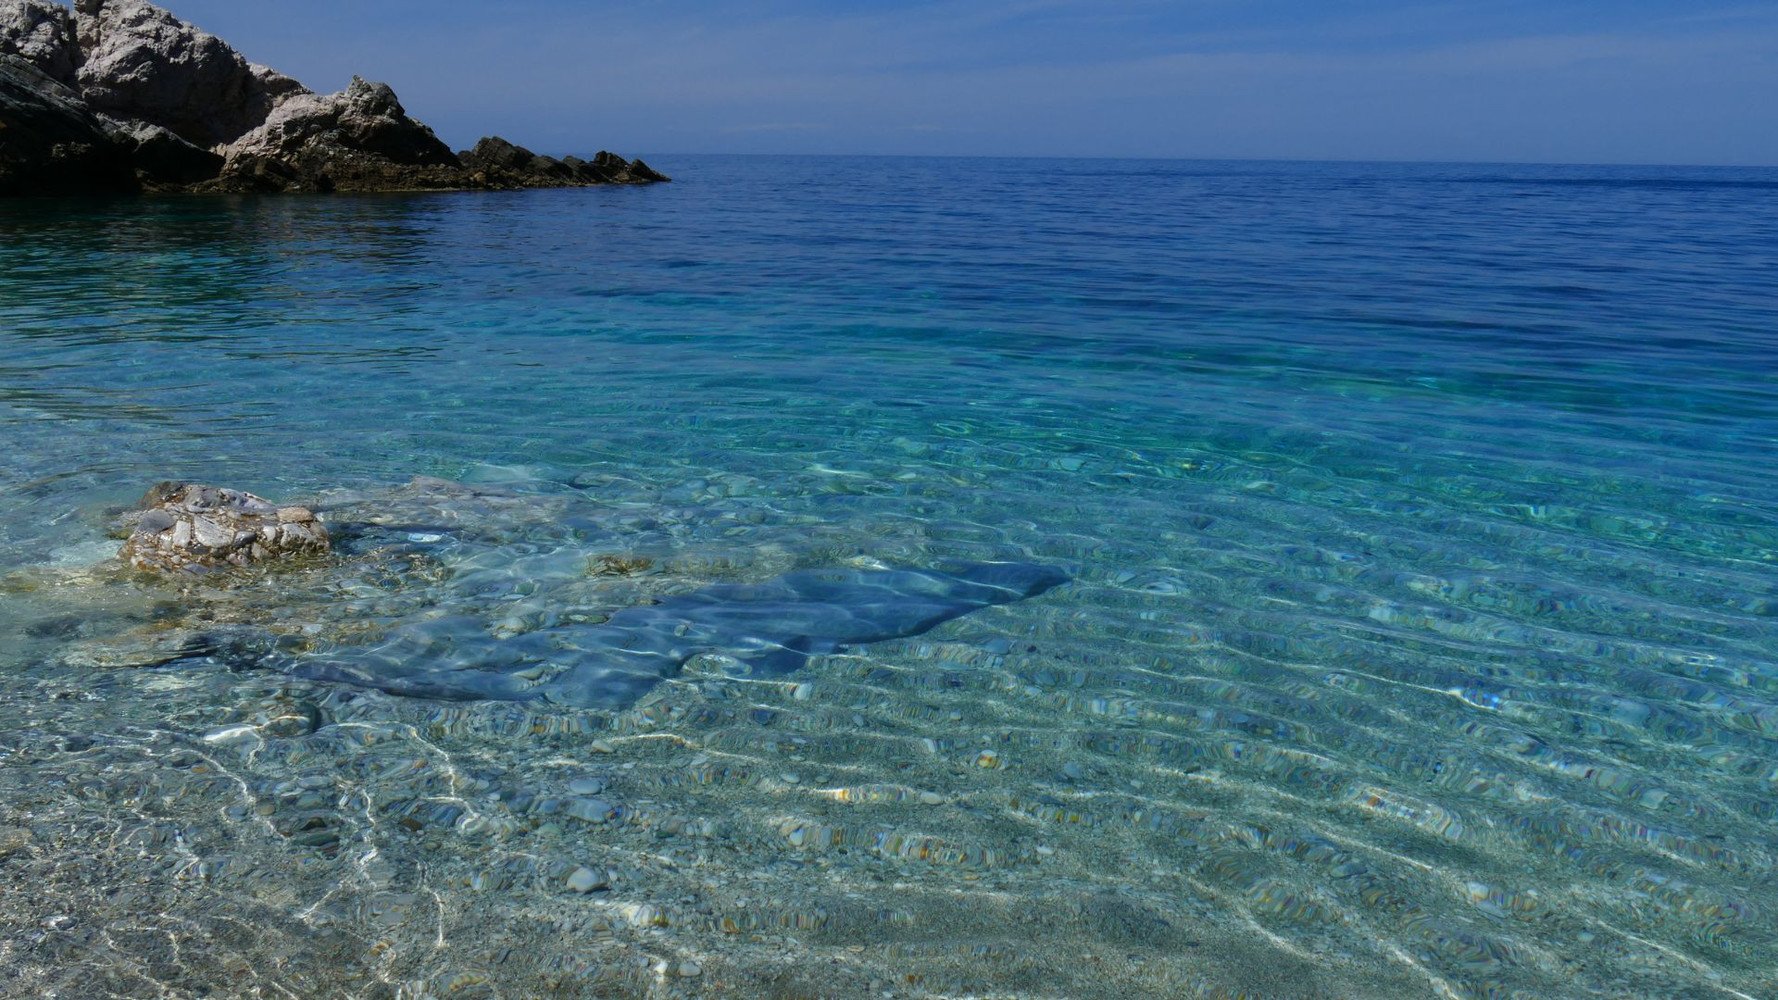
x,y
1422,637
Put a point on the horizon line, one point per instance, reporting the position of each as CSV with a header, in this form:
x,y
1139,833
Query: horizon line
x,y
1247,159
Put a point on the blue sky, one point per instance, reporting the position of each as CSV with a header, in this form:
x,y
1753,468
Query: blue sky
x,y
1641,81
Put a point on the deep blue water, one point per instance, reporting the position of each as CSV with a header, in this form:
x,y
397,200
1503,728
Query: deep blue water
x,y
1423,636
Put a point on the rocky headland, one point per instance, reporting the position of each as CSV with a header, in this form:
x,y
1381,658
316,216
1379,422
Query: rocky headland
x,y
120,96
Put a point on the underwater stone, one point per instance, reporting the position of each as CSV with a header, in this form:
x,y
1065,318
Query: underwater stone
x,y
187,527
14,840
585,879
591,810
772,628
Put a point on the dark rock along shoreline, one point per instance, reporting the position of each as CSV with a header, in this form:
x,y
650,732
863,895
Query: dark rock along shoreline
x,y
120,97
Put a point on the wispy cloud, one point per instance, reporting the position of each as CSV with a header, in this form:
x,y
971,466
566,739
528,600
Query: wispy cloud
x,y
775,127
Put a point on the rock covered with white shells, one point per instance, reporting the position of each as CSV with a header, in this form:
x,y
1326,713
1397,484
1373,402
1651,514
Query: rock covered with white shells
x,y
185,527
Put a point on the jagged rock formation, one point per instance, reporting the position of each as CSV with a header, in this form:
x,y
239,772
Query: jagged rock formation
x,y
142,63
358,139
158,153
50,142
120,95
503,164
42,34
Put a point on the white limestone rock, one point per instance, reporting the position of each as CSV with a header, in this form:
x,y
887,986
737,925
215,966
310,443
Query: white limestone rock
x,y
358,139
41,33
143,63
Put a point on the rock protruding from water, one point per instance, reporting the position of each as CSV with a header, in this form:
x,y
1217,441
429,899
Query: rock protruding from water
x,y
140,63
42,34
133,98
360,139
499,163
51,142
184,527
159,152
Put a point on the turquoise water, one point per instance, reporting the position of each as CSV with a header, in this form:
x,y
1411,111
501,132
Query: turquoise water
x,y
1422,637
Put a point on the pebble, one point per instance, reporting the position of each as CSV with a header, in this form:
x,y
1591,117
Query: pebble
x,y
591,810
584,879
586,786
13,840
229,734
156,521
690,969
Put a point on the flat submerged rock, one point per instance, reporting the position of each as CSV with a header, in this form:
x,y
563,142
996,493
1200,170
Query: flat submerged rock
x,y
447,591
768,629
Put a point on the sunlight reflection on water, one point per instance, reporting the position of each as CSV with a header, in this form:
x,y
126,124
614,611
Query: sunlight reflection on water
x,y
1421,637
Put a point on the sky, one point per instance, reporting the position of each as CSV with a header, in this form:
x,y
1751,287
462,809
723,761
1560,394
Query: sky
x,y
1551,81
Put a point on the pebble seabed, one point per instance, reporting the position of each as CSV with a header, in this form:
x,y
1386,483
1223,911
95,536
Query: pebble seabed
x,y
725,839
987,810
1419,642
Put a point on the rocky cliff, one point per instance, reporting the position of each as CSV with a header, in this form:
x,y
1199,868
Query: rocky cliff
x,y
120,96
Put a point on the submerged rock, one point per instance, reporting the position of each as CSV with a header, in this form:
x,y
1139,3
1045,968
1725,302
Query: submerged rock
x,y
585,880
122,87
191,528
769,628
452,591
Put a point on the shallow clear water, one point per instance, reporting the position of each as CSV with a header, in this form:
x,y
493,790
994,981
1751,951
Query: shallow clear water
x,y
1422,637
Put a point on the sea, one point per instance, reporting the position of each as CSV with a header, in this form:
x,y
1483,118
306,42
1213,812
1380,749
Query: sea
x,y
1419,635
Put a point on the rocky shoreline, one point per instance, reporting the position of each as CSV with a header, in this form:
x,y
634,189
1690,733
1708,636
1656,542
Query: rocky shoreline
x,y
121,97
